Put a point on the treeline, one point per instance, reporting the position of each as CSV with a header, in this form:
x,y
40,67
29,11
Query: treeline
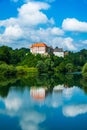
x,y
22,61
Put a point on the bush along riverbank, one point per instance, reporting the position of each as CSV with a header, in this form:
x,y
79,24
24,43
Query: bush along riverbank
x,y
10,70
84,71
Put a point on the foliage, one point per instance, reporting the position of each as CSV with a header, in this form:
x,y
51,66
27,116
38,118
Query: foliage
x,y
5,55
41,66
7,70
45,64
26,70
69,67
84,69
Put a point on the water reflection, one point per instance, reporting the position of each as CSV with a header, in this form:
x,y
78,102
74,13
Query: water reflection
x,y
37,93
75,102
42,108
57,96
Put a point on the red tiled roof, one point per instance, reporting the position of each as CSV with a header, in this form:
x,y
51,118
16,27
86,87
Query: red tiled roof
x,y
38,45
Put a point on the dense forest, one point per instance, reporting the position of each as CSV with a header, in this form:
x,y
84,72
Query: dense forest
x,y
21,61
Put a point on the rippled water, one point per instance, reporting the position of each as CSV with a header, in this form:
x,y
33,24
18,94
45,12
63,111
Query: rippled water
x,y
37,108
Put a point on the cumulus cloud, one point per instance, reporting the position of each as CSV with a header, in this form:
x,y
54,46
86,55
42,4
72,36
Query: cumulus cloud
x,y
72,24
13,32
84,42
13,101
74,106
31,13
66,43
74,110
29,16
27,26
32,25
52,37
68,92
31,120
13,104
48,33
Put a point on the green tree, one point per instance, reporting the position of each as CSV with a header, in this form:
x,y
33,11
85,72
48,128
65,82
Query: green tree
x,y
84,69
5,54
69,67
49,65
7,70
41,66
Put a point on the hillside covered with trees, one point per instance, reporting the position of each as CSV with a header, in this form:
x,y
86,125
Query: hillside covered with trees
x,y
21,61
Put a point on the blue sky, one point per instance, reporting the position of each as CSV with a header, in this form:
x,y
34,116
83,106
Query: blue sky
x,y
61,23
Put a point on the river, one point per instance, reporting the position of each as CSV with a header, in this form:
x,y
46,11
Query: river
x,y
31,105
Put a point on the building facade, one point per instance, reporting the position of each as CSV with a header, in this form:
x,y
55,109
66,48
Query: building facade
x,y
58,52
39,48
42,48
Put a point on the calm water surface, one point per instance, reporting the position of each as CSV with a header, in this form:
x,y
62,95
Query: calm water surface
x,y
38,108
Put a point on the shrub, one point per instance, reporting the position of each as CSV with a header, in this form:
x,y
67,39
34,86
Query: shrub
x,y
84,69
7,70
25,70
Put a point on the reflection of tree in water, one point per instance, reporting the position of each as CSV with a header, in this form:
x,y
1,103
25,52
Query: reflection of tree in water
x,y
72,80
46,81
49,81
84,85
4,91
5,84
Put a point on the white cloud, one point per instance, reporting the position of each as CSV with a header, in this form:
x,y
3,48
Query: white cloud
x,y
32,25
13,103
31,120
74,107
26,26
29,17
11,35
68,92
74,110
72,24
9,22
56,31
49,33
31,13
13,32
84,42
66,43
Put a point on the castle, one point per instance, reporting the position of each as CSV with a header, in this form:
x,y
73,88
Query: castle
x,y
42,48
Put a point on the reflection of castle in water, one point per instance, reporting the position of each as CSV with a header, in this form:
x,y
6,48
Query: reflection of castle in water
x,y
58,88
40,93
57,95
37,93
